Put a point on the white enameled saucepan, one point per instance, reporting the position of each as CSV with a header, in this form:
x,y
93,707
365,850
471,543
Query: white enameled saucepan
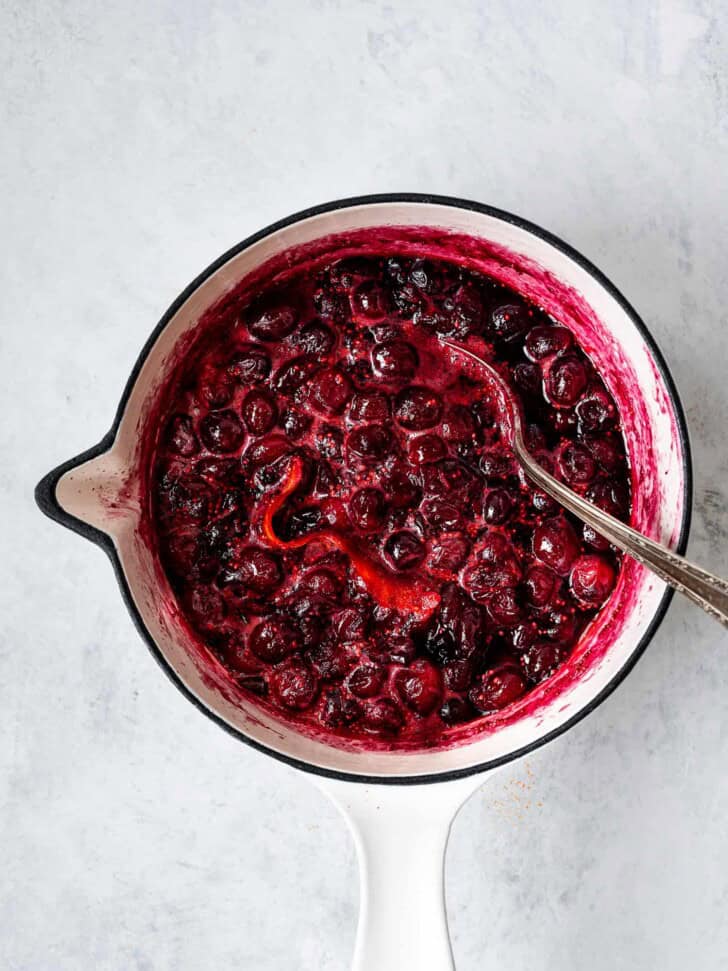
x,y
400,804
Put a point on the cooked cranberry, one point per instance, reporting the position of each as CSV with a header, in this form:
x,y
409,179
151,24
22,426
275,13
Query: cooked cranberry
x,y
592,580
458,425
457,710
576,464
543,504
295,423
222,431
266,452
497,506
401,488
382,717
216,387
565,381
593,539
559,625
497,567
496,689
542,586
366,681
294,686
369,441
458,674
503,607
509,321
420,687
527,377
417,408
496,464
338,711
331,390
366,509
448,552
322,583
250,365
272,323
350,624
404,549
294,374
273,639
369,406
181,436
330,442
544,341
259,412
370,300
484,411
255,567
440,513
608,453
395,360
426,449
609,495
555,544
522,636
316,338
541,660
595,412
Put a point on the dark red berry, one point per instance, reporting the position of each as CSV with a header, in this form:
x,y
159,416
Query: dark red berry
x,y
316,338
395,360
259,412
369,406
509,321
420,687
369,441
496,689
250,365
498,505
404,550
366,681
565,381
555,543
542,586
331,390
541,660
426,449
366,509
382,717
576,464
592,580
369,300
273,639
294,687
417,408
544,341
222,431
457,710
272,323
181,436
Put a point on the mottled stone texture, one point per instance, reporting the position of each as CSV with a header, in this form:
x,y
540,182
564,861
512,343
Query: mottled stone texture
x,y
141,140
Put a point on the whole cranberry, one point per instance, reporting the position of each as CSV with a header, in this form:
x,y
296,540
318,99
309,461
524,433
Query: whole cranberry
x,y
504,608
338,711
448,552
369,406
522,636
273,322
366,681
331,390
527,377
294,687
509,321
259,412
295,423
555,543
417,408
441,514
401,488
222,431
404,549
249,365
369,442
546,340
496,689
542,586
610,495
541,660
426,449
395,360
576,464
255,567
559,625
382,716
350,624
273,639
592,580
366,509
420,687
181,436
565,380
458,674
215,387
316,338
595,412
498,505
294,374
593,539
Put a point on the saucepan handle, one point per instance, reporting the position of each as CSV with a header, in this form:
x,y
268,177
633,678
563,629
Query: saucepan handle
x,y
401,833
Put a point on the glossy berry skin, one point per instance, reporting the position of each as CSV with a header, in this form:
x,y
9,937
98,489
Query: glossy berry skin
x,y
340,515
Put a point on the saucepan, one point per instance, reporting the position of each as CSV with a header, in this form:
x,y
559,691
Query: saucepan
x,y
400,804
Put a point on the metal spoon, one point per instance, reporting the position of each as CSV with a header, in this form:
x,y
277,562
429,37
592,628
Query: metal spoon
x,y
703,588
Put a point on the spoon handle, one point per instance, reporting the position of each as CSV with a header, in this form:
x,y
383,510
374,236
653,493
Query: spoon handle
x,y
706,590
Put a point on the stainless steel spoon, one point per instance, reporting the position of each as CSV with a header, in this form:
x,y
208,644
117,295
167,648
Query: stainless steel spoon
x,y
703,588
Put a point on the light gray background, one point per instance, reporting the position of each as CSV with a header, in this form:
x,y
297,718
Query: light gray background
x,y
139,141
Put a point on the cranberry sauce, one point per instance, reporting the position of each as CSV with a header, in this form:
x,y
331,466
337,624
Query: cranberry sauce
x,y
340,514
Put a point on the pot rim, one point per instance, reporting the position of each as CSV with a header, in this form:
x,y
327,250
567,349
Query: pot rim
x,y
46,499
